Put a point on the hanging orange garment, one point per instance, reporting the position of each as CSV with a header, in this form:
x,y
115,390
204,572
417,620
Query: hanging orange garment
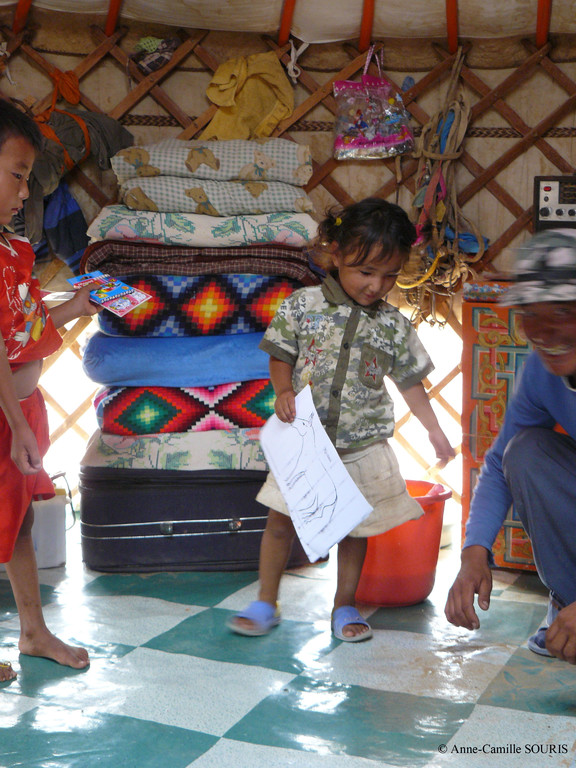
x,y
50,133
67,87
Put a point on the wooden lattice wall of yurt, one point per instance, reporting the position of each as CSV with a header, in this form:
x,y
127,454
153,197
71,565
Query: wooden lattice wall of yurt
x,y
521,124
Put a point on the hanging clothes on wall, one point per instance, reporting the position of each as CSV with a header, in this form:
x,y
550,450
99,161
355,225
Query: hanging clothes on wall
x,y
106,136
253,95
65,227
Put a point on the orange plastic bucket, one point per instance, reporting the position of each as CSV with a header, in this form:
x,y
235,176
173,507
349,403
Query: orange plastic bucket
x,y
400,565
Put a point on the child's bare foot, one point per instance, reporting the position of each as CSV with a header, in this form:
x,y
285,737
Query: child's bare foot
x,y
353,630
48,646
6,672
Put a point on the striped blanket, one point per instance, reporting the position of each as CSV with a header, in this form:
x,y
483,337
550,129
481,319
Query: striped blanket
x,y
117,257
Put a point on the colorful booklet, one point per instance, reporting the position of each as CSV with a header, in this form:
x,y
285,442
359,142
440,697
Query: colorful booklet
x,y
111,293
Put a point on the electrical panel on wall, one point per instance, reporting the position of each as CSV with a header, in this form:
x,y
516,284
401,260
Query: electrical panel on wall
x,y
554,202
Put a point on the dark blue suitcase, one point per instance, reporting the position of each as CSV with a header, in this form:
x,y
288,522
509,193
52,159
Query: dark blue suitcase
x,y
139,520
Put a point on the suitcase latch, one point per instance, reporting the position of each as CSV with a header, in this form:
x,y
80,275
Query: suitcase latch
x,y
234,524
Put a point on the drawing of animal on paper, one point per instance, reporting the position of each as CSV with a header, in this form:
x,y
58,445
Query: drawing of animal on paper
x,y
309,476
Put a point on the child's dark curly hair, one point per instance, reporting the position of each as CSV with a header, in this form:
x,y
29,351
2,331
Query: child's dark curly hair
x,y
372,228
16,124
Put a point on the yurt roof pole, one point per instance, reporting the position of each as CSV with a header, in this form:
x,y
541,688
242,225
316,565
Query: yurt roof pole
x,y
286,21
112,19
543,22
452,24
23,7
20,15
366,25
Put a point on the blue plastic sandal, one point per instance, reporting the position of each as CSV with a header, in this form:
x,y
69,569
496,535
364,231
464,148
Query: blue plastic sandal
x,y
342,617
537,643
263,616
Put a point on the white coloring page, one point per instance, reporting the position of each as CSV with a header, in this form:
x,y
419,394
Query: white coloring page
x,y
324,502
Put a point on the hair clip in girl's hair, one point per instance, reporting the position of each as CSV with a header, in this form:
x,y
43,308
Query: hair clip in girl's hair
x,y
338,221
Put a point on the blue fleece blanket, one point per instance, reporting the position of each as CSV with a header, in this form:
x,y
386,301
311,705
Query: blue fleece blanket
x,y
197,361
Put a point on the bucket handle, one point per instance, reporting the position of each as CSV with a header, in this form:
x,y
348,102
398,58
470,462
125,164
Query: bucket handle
x,y
436,493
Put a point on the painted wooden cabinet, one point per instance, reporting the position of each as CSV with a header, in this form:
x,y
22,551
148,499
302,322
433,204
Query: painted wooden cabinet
x,y
494,351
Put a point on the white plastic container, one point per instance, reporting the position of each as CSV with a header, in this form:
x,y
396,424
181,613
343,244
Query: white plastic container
x,y
49,530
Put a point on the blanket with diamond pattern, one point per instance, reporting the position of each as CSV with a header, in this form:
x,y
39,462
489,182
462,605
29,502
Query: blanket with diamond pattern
x,y
201,305
153,410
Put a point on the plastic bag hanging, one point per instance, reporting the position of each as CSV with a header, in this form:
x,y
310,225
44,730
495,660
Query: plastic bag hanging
x,y
371,122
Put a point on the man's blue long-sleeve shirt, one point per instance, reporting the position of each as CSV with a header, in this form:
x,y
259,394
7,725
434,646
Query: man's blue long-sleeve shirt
x,y
541,399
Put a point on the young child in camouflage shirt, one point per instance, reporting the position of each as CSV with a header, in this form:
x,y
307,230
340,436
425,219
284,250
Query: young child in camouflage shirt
x,y
343,338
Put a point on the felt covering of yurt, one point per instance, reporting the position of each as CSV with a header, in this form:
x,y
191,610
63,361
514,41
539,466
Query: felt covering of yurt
x,y
512,70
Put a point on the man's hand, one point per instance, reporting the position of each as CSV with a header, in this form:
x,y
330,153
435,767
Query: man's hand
x,y
561,635
474,578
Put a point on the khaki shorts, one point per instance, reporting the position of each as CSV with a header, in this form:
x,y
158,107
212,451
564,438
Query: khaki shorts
x,y
376,473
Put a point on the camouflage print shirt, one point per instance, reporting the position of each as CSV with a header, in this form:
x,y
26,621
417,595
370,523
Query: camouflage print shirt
x,y
345,350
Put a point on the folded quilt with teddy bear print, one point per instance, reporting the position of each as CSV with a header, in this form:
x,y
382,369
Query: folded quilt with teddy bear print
x,y
174,194
215,178
256,160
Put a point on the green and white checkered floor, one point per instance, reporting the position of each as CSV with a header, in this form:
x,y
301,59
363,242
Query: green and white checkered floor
x,y
169,686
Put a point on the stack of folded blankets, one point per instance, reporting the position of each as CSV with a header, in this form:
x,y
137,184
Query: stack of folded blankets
x,y
215,233
211,194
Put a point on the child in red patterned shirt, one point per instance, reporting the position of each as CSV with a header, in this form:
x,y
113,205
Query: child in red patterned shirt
x,y
28,333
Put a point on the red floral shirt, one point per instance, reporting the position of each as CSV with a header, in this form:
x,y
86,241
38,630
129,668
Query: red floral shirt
x,y
25,324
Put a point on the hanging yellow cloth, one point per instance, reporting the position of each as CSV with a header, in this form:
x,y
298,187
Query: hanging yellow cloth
x,y
253,95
